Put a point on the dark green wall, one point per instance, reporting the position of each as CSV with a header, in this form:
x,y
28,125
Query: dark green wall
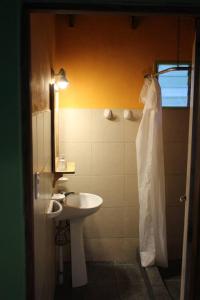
x,y
12,244
12,252
176,3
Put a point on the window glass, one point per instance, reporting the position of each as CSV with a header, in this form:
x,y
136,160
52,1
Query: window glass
x,y
174,86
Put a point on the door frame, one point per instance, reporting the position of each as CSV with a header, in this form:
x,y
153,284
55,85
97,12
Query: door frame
x,y
110,7
26,121
191,247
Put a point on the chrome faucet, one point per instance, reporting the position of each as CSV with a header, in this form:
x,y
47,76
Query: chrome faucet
x,y
68,193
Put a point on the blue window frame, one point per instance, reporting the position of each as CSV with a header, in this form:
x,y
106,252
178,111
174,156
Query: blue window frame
x,y
174,85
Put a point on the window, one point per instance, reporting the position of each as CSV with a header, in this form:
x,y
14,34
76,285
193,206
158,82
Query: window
x,y
174,86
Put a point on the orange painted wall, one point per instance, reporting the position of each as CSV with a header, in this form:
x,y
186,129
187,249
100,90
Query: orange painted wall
x,y
42,58
106,59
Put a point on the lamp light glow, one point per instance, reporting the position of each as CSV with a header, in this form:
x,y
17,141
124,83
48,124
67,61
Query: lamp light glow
x,y
60,80
62,84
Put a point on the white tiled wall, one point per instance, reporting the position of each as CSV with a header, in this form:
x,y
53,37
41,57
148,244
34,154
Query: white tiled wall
x,y
175,133
43,227
104,153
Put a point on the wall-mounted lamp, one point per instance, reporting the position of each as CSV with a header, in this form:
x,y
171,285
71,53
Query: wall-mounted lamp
x,y
59,79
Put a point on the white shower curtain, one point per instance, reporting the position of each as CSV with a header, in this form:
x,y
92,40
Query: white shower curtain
x,y
151,180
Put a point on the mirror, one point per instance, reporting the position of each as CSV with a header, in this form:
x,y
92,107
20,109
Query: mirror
x,y
59,161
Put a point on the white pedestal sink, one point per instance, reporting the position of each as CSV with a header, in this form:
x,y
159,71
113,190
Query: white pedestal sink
x,y
75,208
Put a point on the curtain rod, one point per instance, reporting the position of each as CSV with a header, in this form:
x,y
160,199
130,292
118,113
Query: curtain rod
x,y
168,70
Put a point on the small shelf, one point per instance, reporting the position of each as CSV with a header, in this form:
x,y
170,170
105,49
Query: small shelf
x,y
64,172
70,168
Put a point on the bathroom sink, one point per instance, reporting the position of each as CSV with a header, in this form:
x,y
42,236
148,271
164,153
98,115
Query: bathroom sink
x,y
80,205
75,208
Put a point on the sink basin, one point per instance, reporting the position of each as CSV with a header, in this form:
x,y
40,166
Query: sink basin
x,y
75,208
79,206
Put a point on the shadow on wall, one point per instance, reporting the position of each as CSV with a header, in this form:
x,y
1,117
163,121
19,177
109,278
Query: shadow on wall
x,y
106,59
104,153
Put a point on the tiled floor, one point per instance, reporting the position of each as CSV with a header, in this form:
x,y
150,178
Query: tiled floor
x,y
172,278
106,281
173,285
156,286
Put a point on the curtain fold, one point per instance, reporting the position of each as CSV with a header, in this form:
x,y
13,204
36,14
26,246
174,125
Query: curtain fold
x,y
151,178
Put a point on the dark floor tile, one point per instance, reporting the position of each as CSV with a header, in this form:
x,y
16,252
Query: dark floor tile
x,y
154,276
63,293
129,273
173,287
106,281
175,278
132,292
78,293
100,273
102,293
160,293
158,287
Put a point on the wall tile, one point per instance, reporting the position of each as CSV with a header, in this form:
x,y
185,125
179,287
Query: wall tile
x,y
112,222
128,251
110,188
115,249
81,158
131,128
47,141
101,249
104,130
108,158
131,222
40,141
175,186
78,183
175,156
34,143
106,223
130,158
175,125
175,247
175,221
75,125
131,190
